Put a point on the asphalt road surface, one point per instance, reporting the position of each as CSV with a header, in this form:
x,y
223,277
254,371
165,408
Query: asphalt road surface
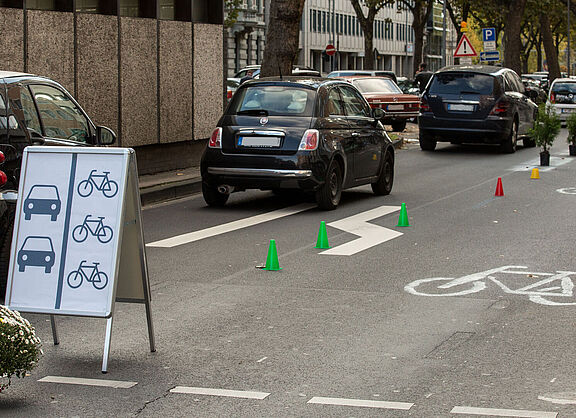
x,y
469,311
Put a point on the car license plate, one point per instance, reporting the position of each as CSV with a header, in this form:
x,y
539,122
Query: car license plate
x,y
460,107
566,110
396,107
259,141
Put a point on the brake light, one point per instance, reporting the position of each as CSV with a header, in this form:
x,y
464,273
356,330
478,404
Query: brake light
x,y
2,157
216,139
229,94
500,108
424,107
552,97
3,178
309,140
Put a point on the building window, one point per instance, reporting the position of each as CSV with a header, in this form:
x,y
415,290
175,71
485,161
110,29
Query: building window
x,y
55,5
16,4
207,11
137,8
103,7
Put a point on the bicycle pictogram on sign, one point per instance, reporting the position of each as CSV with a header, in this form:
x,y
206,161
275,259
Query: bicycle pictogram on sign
x,y
92,226
99,279
101,182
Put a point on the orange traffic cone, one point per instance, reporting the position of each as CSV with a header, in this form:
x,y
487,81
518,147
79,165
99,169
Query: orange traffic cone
x,y
499,189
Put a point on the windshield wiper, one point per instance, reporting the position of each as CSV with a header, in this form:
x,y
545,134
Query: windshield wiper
x,y
258,112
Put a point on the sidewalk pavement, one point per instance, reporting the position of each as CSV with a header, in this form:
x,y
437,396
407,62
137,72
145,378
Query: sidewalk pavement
x,y
168,185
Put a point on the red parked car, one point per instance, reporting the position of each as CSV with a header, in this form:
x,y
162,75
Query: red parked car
x,y
384,93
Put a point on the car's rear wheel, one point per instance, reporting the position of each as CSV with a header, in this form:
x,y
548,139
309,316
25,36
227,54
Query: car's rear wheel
x,y
399,126
383,186
212,196
427,143
328,196
509,145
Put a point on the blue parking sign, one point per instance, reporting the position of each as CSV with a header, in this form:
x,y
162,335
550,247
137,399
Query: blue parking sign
x,y
489,34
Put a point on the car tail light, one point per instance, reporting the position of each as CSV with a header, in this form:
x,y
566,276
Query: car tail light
x,y
424,107
216,139
552,97
500,108
229,94
3,178
2,157
309,140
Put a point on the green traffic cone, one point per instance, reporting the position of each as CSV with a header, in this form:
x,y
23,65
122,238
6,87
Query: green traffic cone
x,y
403,219
322,241
272,259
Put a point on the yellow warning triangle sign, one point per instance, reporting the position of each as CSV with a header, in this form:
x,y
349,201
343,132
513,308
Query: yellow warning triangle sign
x,y
465,48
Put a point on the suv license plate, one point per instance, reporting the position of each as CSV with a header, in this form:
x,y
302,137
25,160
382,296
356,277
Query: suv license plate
x,y
259,141
460,107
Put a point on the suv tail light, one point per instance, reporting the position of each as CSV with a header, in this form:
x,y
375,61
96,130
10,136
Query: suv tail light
x,y
500,108
552,97
309,140
3,178
229,94
216,139
424,107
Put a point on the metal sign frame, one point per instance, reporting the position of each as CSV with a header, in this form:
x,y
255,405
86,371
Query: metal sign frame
x,y
127,281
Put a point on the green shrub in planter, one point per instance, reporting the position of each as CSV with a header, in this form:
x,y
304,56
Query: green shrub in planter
x,y
571,125
546,126
19,347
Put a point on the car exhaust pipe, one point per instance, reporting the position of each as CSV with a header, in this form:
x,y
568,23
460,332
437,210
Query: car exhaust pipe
x,y
225,189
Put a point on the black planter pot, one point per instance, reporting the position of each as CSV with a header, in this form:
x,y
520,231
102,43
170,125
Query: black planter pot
x,y
545,158
572,149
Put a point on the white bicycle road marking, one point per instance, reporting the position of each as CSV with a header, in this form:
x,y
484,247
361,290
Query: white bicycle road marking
x,y
554,285
567,190
230,226
370,234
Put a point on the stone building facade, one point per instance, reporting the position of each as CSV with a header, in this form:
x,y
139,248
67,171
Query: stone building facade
x,y
152,70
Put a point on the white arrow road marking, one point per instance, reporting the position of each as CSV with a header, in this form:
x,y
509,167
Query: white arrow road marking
x,y
230,226
370,234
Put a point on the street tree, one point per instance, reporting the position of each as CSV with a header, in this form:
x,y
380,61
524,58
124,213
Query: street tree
x,y
366,22
421,10
282,37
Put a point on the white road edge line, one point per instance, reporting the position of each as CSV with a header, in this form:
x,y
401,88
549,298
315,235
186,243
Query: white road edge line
x,y
220,392
361,402
502,412
370,234
116,384
230,226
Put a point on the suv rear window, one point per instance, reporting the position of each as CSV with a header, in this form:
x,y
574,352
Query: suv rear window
x,y
462,83
273,100
564,93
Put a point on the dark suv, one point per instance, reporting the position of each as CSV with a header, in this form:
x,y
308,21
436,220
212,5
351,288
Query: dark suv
x,y
35,111
476,104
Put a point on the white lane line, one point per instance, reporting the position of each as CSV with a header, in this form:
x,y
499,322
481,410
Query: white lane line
x,y
361,403
494,412
116,384
230,226
220,392
555,162
370,234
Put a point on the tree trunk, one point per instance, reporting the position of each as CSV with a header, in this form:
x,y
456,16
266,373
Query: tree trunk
x,y
549,48
513,45
420,12
282,37
539,53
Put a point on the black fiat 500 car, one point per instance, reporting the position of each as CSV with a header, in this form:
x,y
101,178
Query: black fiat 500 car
x,y
476,104
313,134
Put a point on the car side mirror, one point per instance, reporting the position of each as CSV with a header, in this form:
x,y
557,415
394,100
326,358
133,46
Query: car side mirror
x,y
105,136
378,113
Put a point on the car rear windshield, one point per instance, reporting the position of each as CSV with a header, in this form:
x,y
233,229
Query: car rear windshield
x,y
564,93
462,83
273,101
377,85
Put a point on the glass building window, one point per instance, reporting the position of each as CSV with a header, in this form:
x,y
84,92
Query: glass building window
x,y
104,7
16,4
55,5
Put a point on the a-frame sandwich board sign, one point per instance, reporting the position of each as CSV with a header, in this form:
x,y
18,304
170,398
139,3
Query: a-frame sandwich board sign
x,y
78,245
465,48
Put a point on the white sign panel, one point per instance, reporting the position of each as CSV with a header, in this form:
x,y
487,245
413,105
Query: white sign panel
x,y
67,231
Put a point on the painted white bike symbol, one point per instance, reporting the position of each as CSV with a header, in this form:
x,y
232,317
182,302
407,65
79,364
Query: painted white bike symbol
x,y
553,289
